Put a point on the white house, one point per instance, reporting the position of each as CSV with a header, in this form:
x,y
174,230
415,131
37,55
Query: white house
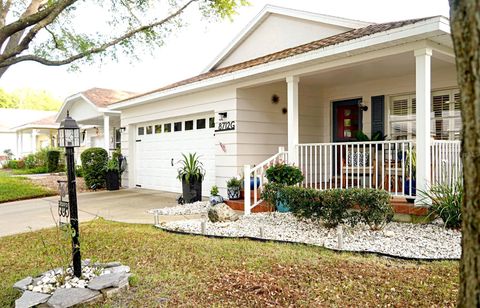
x,y
36,135
21,143
100,126
306,82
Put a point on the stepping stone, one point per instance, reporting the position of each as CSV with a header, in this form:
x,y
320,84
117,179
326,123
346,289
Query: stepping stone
x,y
63,298
22,284
119,269
108,280
30,299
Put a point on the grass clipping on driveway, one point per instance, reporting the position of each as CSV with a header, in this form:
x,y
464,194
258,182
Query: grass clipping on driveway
x,y
182,270
20,188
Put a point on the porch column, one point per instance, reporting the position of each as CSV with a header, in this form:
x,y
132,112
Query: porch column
x,y
423,92
34,141
19,142
106,132
292,107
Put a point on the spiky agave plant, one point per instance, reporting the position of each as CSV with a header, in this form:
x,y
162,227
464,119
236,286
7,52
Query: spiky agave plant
x,y
192,168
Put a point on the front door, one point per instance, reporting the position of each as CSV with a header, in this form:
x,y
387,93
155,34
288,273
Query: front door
x,y
347,120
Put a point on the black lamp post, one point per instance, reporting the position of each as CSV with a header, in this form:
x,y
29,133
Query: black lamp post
x,y
69,138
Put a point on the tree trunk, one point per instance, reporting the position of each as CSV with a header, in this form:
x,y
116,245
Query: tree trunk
x,y
465,25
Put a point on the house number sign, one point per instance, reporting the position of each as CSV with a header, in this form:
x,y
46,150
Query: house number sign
x,y
225,126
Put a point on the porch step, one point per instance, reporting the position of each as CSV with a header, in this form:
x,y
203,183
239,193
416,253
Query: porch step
x,y
252,192
238,205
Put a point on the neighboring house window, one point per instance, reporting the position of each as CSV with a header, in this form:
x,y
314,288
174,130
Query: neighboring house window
x,y
445,123
118,138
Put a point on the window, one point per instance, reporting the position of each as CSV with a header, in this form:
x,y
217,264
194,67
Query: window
x,y
445,123
189,125
149,130
167,127
118,138
211,122
141,131
158,128
201,123
177,126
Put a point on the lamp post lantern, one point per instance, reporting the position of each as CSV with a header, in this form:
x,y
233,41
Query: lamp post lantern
x,y
69,138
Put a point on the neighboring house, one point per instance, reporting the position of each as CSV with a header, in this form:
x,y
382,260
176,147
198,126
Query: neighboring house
x,y
36,135
20,144
307,82
100,126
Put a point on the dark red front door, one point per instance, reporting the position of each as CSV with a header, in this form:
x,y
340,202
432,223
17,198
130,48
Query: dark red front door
x,y
346,120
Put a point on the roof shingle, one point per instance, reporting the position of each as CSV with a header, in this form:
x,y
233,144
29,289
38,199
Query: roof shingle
x,y
290,52
105,97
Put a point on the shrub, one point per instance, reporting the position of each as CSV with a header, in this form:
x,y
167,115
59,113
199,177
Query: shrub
x,y
191,169
53,157
41,158
334,206
446,203
94,161
284,174
112,165
30,161
375,208
78,171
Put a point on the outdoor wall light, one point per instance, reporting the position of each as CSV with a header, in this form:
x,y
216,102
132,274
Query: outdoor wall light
x,y
275,99
223,115
123,129
362,106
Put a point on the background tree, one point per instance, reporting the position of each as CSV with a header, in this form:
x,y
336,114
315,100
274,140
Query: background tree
x,y
29,99
60,32
465,25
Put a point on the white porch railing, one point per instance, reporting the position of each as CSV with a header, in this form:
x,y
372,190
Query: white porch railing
x,y
382,164
446,162
256,177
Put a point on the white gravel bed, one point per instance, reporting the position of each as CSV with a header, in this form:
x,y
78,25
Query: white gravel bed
x,y
418,241
200,207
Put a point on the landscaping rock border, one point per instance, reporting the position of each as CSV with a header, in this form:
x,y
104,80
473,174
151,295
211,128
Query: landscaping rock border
x,y
98,281
398,240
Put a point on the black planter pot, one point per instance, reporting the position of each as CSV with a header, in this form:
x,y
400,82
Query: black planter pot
x,y
192,191
112,180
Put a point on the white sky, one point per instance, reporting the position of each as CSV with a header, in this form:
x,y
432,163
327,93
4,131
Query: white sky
x,y
192,49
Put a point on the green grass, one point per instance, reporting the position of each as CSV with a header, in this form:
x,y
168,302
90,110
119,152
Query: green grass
x,y
182,270
35,170
19,188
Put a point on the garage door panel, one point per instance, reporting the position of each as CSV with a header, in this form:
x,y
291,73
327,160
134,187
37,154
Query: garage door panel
x,y
155,152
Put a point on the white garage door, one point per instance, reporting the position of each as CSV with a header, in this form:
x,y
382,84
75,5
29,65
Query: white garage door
x,y
159,148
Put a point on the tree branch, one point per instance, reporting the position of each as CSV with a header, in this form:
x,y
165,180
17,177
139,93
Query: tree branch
x,y
13,60
27,19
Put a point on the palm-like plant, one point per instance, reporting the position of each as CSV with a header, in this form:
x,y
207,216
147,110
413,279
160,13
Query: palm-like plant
x,y
191,169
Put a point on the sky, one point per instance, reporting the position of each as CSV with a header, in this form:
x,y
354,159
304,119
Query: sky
x,y
190,51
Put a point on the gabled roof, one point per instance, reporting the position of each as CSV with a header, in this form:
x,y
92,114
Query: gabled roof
x,y
9,118
105,97
99,98
290,52
46,122
271,9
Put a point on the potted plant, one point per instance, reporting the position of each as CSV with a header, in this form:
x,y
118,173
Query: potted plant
x,y
409,182
112,176
215,198
191,173
233,188
285,175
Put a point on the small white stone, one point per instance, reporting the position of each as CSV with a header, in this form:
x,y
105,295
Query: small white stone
x,y
30,287
389,233
37,289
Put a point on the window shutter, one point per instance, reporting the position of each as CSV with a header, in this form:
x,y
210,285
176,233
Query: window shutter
x,y
378,114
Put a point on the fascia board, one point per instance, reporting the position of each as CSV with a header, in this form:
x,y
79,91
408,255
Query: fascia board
x,y
421,30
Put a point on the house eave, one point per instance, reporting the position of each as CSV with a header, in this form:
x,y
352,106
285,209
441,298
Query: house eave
x,y
419,31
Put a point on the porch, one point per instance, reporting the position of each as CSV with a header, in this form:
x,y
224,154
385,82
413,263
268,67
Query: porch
x,y
410,96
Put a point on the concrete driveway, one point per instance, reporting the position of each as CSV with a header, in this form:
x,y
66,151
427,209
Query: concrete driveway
x,y
126,205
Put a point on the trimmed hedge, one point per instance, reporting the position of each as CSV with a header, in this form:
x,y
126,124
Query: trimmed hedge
x,y
53,157
334,206
94,161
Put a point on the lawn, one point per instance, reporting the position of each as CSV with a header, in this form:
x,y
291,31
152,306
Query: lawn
x,y
182,270
19,188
